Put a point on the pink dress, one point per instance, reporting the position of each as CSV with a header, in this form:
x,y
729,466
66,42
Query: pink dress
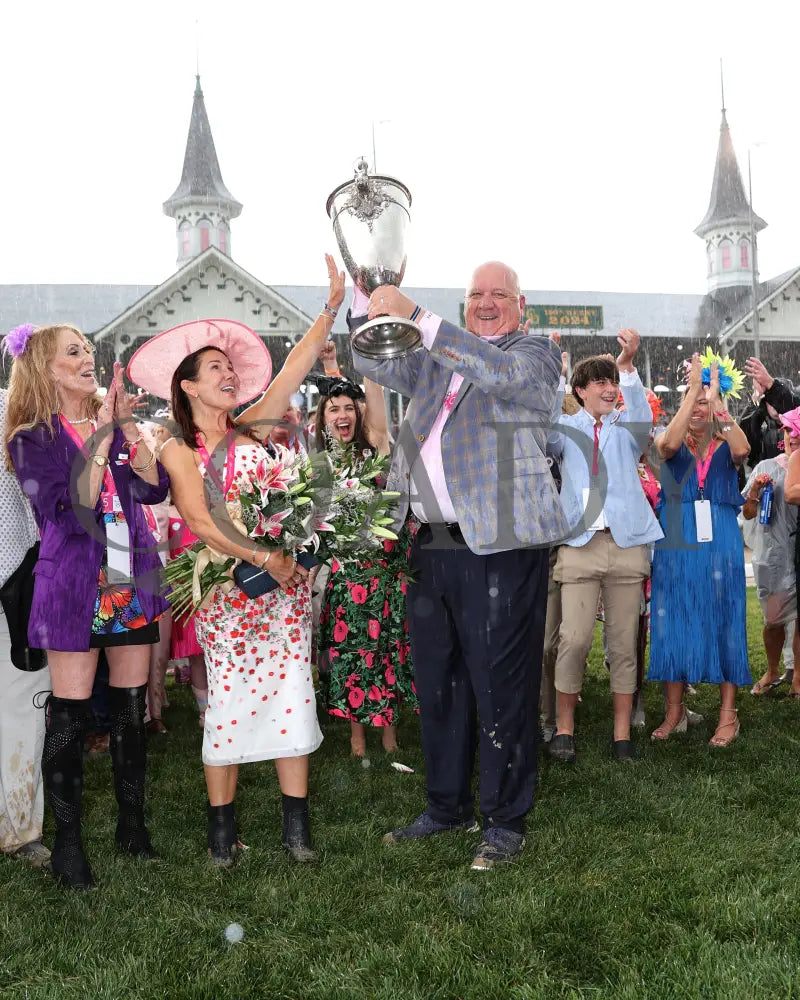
x,y
184,641
261,702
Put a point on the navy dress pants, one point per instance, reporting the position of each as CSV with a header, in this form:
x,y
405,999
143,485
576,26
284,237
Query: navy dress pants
x,y
477,632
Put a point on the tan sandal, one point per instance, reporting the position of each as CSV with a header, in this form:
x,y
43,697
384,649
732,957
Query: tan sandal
x,y
667,728
764,684
725,741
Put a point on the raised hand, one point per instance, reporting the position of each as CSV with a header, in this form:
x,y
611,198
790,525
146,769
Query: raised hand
x,y
759,374
105,415
125,403
390,301
695,375
629,342
713,394
328,355
335,282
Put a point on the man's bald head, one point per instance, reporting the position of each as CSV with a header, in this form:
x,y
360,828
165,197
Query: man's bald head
x,y
493,301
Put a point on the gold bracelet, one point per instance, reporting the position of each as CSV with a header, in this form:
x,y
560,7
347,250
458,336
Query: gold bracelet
x,y
145,468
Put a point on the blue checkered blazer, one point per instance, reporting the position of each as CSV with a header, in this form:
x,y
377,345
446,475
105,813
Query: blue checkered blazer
x,y
493,442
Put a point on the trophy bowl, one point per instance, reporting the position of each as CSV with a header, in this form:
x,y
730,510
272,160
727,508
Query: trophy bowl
x,y
370,214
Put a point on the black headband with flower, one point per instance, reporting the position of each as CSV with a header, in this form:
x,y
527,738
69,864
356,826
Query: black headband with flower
x,y
335,385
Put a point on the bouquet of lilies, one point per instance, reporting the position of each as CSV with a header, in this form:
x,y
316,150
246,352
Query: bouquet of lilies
x,y
272,506
358,513
290,503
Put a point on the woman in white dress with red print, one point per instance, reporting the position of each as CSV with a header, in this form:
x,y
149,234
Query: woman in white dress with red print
x,y
261,701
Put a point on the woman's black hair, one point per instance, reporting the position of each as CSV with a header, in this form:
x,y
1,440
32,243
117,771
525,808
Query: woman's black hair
x,y
321,436
189,369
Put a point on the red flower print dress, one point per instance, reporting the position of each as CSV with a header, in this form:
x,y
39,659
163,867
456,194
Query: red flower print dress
x,y
365,668
261,701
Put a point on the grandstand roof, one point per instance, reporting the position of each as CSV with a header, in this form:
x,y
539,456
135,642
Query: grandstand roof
x,y
653,314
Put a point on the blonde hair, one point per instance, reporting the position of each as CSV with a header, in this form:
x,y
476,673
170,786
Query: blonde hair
x,y
32,394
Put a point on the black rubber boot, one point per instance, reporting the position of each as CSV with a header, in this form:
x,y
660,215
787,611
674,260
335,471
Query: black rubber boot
x,y
296,836
128,749
68,720
222,837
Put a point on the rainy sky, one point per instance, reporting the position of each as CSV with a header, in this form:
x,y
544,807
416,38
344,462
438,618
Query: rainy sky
x,y
574,140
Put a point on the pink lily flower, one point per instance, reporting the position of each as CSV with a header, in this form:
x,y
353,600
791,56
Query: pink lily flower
x,y
271,526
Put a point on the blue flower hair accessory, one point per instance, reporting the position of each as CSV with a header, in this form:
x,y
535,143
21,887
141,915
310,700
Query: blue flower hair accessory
x,y
731,379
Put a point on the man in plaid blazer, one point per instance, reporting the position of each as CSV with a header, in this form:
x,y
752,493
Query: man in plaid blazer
x,y
470,464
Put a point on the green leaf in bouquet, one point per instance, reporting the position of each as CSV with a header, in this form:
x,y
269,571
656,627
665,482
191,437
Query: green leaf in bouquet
x,y
376,529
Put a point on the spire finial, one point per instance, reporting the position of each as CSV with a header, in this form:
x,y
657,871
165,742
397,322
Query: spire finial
x,y
197,47
722,87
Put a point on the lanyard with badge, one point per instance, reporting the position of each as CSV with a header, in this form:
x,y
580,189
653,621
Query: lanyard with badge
x,y
702,507
229,468
118,540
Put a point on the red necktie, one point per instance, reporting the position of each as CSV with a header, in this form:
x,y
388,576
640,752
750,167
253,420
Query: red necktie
x,y
595,468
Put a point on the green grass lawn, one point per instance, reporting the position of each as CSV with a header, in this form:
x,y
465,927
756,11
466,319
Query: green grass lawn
x,y
676,877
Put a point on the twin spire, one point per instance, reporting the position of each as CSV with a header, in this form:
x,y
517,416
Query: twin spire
x,y
201,204
729,227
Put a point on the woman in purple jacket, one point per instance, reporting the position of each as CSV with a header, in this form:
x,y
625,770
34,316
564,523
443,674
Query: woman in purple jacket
x,y
86,471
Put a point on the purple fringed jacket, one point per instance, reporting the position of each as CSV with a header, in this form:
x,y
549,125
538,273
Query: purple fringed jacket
x,y
73,536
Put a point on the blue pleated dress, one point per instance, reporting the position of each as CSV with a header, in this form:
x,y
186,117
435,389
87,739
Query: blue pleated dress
x,y
698,621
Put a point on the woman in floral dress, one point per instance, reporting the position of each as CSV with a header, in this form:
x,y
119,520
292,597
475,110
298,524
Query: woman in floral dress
x,y
364,653
261,701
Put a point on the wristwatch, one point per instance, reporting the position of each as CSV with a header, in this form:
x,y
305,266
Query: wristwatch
x,y
100,460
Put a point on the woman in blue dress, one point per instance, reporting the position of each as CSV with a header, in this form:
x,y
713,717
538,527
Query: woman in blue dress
x,y
698,625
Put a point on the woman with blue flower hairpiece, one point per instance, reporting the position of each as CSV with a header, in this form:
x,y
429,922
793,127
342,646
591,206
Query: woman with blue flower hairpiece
x,y
698,631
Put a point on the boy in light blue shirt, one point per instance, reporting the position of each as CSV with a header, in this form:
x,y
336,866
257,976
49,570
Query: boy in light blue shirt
x,y
599,449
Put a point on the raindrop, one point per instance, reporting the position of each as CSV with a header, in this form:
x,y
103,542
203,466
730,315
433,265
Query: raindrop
x,y
493,592
365,763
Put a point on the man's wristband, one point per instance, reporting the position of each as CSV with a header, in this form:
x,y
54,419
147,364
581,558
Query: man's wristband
x,y
417,311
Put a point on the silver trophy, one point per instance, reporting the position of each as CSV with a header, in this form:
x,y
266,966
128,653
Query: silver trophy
x,y
370,215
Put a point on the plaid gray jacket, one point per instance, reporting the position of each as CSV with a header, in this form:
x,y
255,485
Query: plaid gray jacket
x,y
493,443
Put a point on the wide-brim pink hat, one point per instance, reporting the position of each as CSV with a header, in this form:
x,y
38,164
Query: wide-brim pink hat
x,y
154,363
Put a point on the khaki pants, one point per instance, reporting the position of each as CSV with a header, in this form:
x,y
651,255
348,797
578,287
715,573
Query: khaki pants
x,y
600,566
547,694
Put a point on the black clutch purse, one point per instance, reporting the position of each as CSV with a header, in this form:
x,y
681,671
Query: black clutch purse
x,y
16,596
254,581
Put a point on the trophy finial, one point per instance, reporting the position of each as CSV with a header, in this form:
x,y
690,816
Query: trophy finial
x,y
362,175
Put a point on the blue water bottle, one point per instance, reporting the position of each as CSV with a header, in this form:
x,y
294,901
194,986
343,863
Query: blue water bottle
x,y
765,507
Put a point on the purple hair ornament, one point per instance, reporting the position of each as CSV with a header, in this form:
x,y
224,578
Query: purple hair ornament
x,y
16,340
